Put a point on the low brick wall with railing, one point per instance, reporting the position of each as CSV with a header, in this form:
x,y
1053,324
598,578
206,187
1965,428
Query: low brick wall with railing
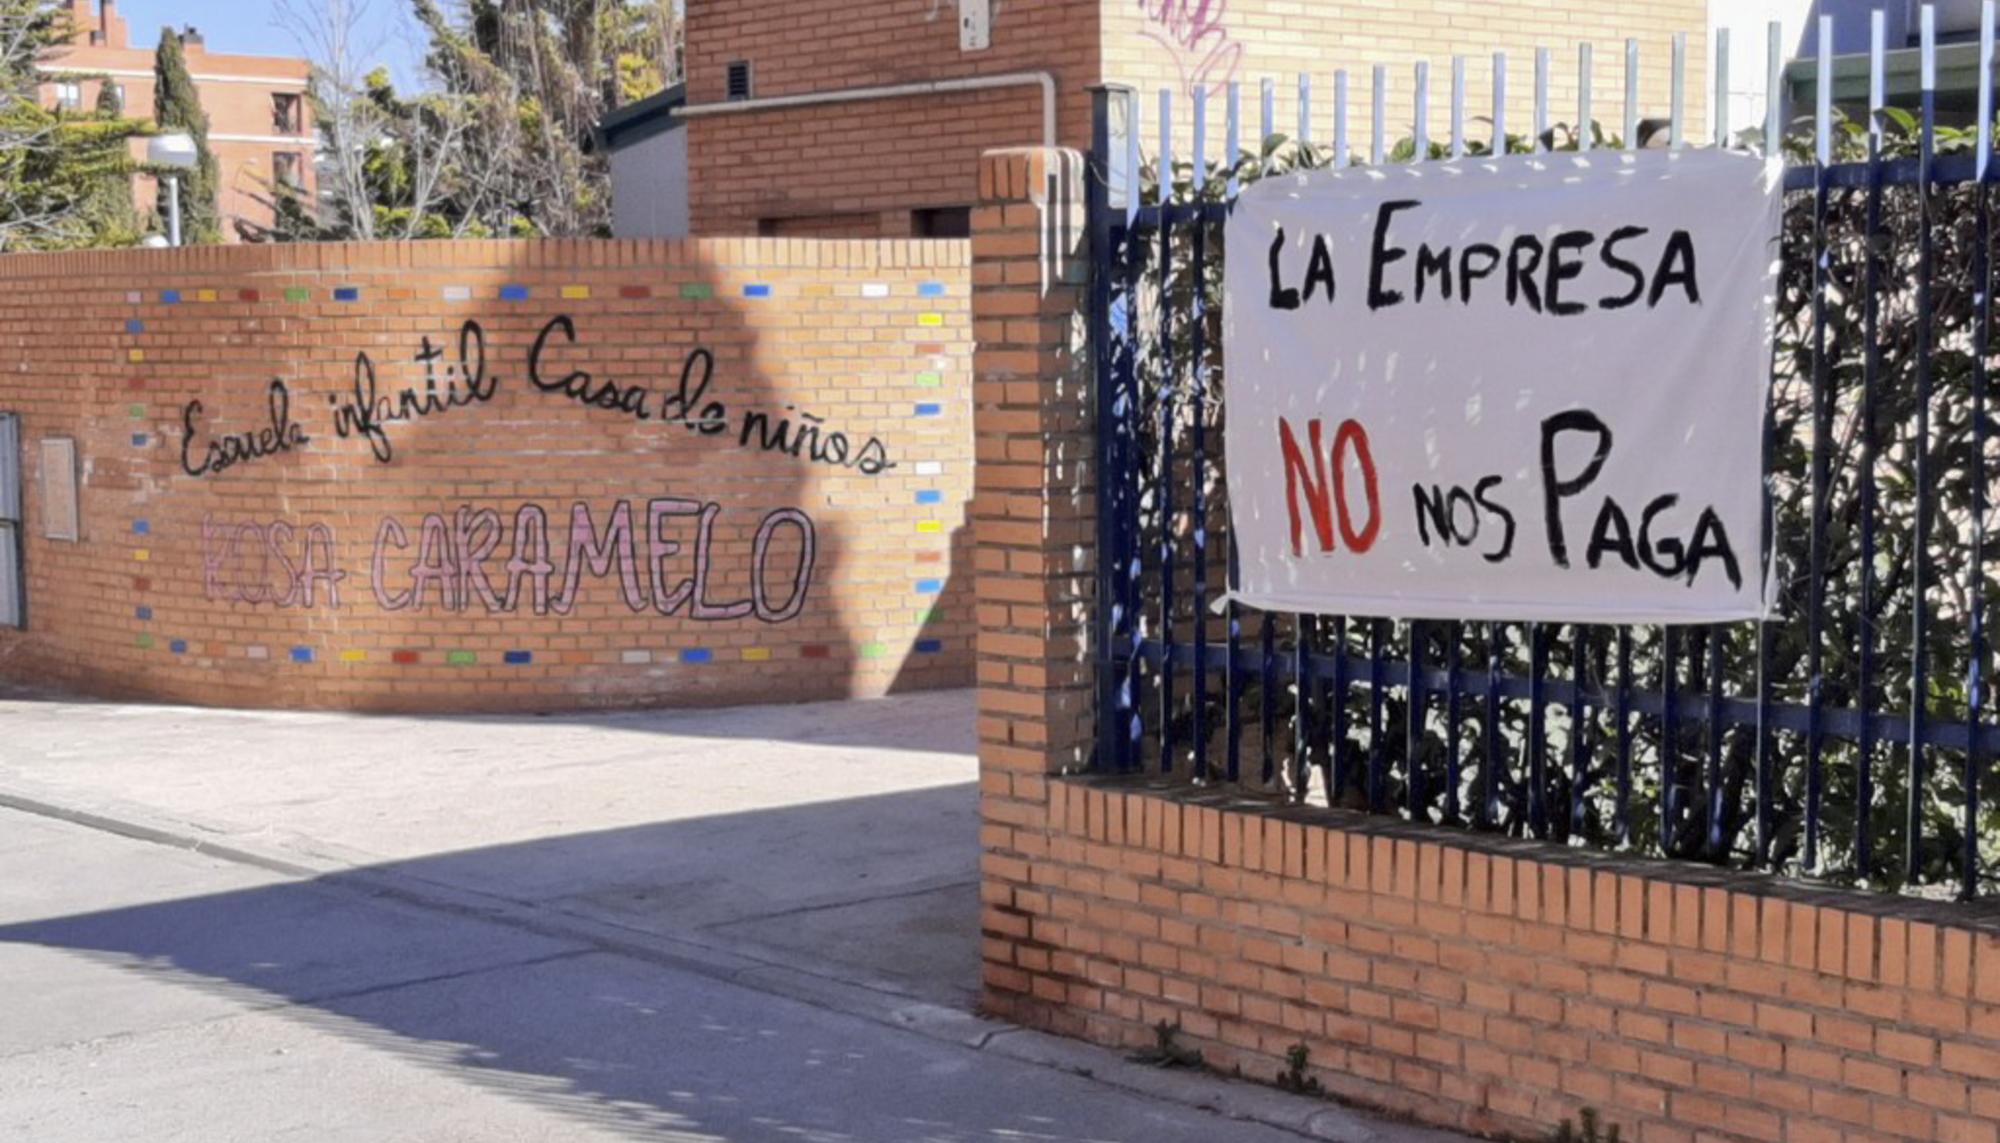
x,y
1474,982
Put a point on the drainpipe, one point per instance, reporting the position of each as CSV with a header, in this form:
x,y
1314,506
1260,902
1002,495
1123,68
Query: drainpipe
x,y
1042,79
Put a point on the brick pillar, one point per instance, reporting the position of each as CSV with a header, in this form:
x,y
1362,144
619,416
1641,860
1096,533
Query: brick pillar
x,y
1033,526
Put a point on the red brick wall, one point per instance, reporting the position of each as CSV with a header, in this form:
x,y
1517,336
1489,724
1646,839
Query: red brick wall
x,y
885,159
1476,983
1491,987
876,157
195,587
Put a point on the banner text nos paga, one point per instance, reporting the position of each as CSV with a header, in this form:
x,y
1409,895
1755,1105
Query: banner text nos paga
x,y
1531,389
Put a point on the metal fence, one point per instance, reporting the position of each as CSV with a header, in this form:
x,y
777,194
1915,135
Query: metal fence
x,y
1846,739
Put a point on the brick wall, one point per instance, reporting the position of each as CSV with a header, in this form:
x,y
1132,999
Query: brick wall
x,y
1476,983
879,157
1494,987
1033,512
863,167
494,553
1185,44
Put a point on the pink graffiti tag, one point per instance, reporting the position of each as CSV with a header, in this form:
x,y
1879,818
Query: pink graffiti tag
x,y
1206,55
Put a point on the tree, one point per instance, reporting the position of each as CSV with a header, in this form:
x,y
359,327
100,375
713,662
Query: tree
x,y
502,143
102,160
391,165
541,74
64,179
177,107
350,124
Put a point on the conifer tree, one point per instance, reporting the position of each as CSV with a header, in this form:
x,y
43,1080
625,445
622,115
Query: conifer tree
x,y
65,179
177,108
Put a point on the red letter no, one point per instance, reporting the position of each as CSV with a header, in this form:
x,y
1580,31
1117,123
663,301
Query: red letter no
x,y
1322,503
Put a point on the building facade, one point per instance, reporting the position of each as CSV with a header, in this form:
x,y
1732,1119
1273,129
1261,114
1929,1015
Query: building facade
x,y
259,122
791,130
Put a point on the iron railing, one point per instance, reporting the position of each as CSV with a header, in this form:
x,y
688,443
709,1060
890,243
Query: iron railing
x,y
1848,738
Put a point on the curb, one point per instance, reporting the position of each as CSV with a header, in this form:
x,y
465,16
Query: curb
x,y
764,970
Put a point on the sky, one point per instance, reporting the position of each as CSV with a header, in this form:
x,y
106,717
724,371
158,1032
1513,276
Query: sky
x,y
247,27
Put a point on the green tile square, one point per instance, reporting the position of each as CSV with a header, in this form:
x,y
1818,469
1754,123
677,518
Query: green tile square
x,y
138,412
145,642
697,290
462,658
298,294
874,650
930,380
926,615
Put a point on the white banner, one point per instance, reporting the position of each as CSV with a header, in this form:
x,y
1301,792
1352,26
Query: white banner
x,y
1530,389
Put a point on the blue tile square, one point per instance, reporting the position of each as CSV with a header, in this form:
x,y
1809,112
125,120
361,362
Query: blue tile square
x,y
930,587
170,297
929,646
513,293
757,291
929,410
302,654
178,646
142,527
346,294
144,613
697,655
519,657
930,496
138,440
134,325
931,290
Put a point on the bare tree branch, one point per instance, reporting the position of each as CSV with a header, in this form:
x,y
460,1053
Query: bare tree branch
x,y
330,33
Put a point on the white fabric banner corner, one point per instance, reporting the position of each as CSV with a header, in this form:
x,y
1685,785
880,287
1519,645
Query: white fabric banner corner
x,y
1528,389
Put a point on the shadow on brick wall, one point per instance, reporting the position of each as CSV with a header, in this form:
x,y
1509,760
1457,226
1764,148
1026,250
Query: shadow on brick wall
x,y
950,626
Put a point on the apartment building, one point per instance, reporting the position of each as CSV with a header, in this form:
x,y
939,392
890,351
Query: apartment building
x,y
259,124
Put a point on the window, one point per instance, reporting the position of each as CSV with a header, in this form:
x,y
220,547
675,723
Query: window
x,y
287,167
739,80
942,222
118,93
69,95
286,117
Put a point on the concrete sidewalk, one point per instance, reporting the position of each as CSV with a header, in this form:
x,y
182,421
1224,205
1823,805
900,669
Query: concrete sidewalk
x,y
172,996
824,854
843,832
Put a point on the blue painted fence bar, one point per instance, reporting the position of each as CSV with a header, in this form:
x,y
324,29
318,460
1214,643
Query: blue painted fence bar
x,y
1847,739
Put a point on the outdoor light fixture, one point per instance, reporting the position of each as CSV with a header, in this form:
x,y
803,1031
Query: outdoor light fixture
x,y
177,151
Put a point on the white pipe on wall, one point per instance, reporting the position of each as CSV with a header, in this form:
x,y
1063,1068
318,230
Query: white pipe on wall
x,y
1042,79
